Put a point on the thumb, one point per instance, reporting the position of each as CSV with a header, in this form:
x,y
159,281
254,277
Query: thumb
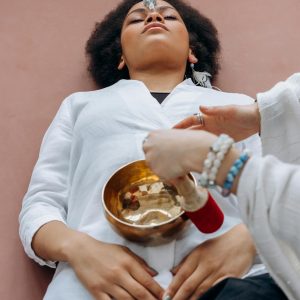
x,y
211,110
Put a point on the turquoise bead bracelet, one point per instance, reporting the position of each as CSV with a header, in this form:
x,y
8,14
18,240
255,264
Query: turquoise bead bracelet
x,y
233,172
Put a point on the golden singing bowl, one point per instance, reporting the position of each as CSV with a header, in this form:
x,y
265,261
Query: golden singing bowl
x,y
140,207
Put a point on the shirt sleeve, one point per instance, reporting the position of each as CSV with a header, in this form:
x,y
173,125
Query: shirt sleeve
x,y
268,194
268,189
46,198
280,120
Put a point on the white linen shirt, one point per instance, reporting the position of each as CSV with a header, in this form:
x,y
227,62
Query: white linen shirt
x,y
93,134
269,188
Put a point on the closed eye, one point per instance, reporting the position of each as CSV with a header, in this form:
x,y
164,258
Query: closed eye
x,y
136,21
170,18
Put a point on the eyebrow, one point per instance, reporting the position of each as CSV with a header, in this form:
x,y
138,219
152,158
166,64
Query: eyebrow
x,y
144,10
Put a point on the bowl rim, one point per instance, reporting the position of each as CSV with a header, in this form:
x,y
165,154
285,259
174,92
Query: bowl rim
x,y
129,224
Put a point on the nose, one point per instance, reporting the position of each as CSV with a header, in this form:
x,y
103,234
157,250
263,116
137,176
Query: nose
x,y
154,16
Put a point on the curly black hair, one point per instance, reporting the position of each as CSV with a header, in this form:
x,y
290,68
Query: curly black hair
x,y
104,50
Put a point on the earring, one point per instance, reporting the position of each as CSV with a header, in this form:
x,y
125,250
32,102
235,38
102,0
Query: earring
x,y
201,78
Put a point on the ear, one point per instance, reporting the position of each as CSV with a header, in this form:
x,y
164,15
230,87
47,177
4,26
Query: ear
x,y
122,63
192,58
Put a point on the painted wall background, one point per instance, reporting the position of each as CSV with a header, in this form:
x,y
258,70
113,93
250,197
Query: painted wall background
x,y
42,61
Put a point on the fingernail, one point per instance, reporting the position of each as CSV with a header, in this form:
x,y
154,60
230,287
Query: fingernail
x,y
167,297
153,271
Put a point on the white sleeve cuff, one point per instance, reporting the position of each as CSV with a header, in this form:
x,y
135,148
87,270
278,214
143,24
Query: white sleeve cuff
x,y
29,231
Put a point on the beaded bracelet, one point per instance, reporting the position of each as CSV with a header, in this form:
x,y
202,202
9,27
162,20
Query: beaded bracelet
x,y
233,172
214,159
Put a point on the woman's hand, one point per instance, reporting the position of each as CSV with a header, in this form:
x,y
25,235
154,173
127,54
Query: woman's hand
x,y
106,270
230,255
238,121
174,153
112,271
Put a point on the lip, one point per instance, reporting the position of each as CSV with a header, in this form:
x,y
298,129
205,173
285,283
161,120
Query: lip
x,y
154,25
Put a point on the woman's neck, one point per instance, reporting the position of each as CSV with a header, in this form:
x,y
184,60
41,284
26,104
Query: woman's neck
x,y
158,81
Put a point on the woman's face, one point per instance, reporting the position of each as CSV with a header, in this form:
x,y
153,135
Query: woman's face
x,y
153,36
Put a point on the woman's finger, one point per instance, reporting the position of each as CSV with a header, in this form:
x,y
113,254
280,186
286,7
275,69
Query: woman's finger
x,y
178,267
141,288
192,283
203,287
102,296
216,110
147,283
222,278
197,127
143,263
118,292
190,121
183,272
206,285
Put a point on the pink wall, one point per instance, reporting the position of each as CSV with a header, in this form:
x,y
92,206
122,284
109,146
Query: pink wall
x,y
42,61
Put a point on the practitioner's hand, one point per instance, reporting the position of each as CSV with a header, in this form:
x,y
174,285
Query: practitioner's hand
x,y
230,255
112,271
238,121
173,153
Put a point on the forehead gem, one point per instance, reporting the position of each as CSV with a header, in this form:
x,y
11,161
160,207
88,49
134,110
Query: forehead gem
x,y
150,4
